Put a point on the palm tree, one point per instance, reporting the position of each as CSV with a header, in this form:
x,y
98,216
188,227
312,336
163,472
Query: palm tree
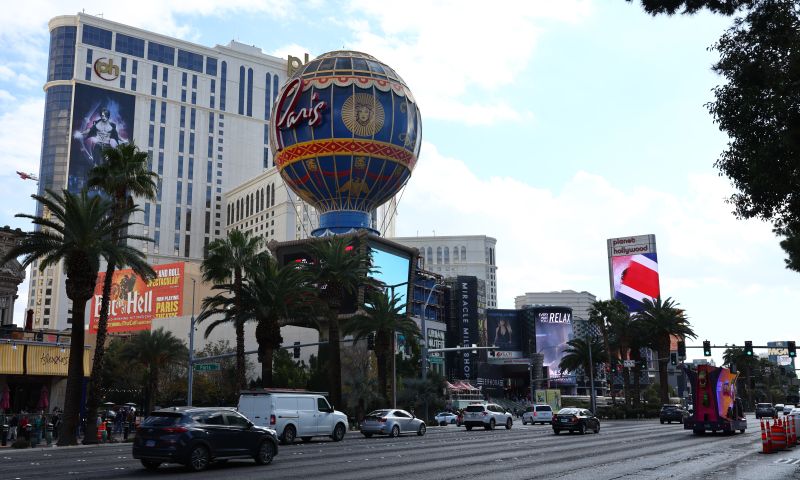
x,y
272,296
123,175
154,350
382,316
227,262
664,320
77,230
576,355
623,338
339,266
604,313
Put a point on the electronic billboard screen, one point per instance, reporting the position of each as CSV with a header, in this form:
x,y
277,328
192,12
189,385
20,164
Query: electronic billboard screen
x,y
553,330
100,118
635,279
392,268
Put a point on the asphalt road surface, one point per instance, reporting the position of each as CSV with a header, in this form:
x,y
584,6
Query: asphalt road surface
x,y
622,450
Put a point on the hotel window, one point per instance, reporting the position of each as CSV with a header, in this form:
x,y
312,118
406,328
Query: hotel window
x,y
155,72
124,64
249,92
223,86
133,84
131,46
211,67
88,55
98,37
190,61
160,53
183,79
163,112
134,66
194,82
241,90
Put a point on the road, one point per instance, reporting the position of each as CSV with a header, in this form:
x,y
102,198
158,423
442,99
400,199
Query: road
x,y
622,450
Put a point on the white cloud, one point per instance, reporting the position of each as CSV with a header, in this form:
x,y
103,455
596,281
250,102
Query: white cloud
x,y
452,53
292,49
553,237
21,136
5,96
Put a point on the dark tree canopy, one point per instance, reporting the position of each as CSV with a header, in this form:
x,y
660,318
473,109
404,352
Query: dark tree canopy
x,y
758,107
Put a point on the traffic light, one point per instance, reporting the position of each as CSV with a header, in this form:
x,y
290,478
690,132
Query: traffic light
x,y
748,348
673,359
296,350
371,341
681,349
792,348
706,348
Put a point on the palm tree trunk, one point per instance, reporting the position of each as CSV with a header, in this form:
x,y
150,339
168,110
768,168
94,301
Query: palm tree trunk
x,y
93,397
335,361
79,291
241,375
153,389
611,374
266,368
382,349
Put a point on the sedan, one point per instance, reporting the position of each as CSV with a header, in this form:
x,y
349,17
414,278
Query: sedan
x,y
575,420
196,437
445,418
392,423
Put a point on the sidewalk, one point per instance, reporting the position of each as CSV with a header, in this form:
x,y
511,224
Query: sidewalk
x,y
43,445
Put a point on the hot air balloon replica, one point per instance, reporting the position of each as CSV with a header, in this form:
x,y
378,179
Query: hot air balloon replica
x,y
345,132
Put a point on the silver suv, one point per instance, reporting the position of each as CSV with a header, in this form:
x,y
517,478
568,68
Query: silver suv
x,y
486,415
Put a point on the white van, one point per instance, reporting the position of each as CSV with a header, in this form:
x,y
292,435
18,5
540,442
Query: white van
x,y
293,414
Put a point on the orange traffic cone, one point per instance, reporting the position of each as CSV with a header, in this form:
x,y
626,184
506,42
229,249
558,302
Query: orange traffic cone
x,y
778,437
765,445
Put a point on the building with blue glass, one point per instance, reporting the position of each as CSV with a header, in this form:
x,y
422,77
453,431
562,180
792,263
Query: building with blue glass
x,y
200,113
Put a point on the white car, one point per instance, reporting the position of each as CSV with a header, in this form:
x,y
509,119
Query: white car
x,y
787,408
444,418
293,414
538,414
487,415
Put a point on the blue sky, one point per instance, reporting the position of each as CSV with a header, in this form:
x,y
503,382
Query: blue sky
x,y
549,125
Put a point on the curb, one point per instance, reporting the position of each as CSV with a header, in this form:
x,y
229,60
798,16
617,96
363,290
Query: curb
x,y
9,449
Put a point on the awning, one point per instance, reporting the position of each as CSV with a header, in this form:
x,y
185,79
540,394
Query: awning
x,y
52,360
11,359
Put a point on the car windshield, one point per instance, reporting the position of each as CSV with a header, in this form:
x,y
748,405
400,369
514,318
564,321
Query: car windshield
x,y
568,411
764,405
162,419
475,408
669,407
543,409
378,413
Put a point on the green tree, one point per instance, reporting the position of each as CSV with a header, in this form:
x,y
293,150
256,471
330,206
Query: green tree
x,y
287,372
122,176
218,387
77,230
227,263
758,108
339,267
604,313
624,336
383,318
156,350
416,393
272,297
664,320
577,354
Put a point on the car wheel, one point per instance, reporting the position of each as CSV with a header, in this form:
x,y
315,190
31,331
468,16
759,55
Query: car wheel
x,y
582,429
524,422
597,428
265,454
469,427
289,434
150,464
442,424
338,433
395,431
491,424
509,422
368,435
556,431
741,430
662,422
421,430
198,458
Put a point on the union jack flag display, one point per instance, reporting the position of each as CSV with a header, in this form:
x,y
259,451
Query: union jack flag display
x,y
635,279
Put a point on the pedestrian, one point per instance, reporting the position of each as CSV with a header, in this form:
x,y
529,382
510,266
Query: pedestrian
x,y
24,426
12,427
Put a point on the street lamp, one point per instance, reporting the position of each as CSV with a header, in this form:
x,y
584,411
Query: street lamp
x,y
191,351
394,349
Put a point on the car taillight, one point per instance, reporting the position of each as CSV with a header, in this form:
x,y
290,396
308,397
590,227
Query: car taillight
x,y
534,413
272,420
574,419
382,420
485,413
175,430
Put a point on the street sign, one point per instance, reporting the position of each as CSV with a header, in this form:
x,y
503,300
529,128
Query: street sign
x,y
629,363
206,367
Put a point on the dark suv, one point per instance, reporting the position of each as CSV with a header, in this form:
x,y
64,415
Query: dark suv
x,y
673,413
196,437
765,410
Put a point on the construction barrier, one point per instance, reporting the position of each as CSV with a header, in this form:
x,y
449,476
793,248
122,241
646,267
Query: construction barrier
x,y
778,436
792,431
766,447
101,432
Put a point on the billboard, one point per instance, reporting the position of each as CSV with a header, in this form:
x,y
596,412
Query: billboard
x,y
553,330
135,302
778,353
100,118
505,330
465,300
392,269
633,270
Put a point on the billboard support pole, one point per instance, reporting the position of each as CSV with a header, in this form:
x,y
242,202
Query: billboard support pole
x,y
592,398
190,376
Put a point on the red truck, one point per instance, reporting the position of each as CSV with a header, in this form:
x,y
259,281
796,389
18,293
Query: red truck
x,y
716,406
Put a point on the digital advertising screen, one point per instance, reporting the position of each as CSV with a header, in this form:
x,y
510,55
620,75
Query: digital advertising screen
x,y
100,118
504,331
635,279
392,268
553,330
136,302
